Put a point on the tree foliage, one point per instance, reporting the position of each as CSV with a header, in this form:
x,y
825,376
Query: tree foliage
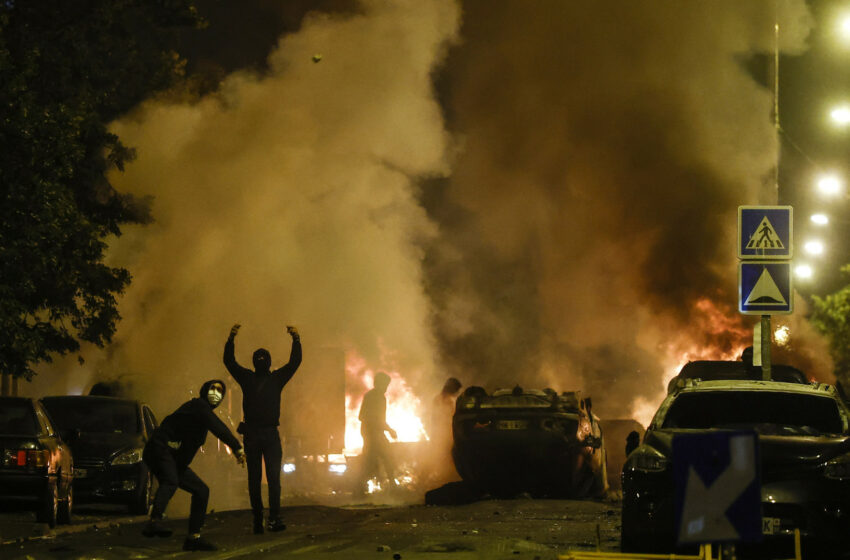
x,y
68,68
831,316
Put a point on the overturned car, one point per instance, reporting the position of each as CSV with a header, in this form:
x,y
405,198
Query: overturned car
x,y
529,441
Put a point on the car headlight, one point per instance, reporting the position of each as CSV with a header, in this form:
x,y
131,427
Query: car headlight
x,y
838,468
648,460
129,457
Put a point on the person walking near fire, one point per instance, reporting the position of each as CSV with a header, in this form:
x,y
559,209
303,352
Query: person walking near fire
x,y
373,425
261,390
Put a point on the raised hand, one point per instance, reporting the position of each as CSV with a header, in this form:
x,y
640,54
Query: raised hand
x,y
234,329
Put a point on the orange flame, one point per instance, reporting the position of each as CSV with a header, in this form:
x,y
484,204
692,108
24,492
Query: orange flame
x,y
724,336
403,406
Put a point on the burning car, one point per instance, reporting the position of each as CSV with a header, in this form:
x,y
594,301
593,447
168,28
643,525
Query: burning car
x,y
107,436
804,448
525,440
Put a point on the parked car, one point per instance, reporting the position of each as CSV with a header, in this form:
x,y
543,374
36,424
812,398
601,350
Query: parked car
x,y
804,449
525,440
107,436
37,467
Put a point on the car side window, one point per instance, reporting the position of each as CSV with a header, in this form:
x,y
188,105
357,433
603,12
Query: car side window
x,y
46,428
150,421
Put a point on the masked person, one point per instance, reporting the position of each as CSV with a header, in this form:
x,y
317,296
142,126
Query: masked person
x,y
261,390
373,425
172,447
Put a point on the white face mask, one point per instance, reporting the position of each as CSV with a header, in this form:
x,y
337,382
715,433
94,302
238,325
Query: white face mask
x,y
214,395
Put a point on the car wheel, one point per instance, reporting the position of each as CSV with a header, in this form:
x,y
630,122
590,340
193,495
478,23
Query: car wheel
x,y
141,503
49,505
63,514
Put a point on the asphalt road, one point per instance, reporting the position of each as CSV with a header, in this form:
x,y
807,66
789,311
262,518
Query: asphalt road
x,y
492,529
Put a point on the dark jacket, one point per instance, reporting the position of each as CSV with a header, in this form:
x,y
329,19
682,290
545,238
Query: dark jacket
x,y
261,391
184,431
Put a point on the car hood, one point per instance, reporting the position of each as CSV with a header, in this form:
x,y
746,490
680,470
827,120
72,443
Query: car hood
x,y
102,446
775,451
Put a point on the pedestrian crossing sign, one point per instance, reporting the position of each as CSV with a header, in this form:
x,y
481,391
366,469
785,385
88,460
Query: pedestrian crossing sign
x,y
765,232
765,288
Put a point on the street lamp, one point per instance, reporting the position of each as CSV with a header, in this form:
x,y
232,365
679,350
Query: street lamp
x,y
830,185
820,219
804,271
841,115
813,247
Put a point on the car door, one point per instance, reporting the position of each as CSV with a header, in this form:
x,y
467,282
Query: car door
x,y
62,464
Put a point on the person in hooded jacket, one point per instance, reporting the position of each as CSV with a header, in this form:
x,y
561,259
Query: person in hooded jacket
x,y
172,447
261,390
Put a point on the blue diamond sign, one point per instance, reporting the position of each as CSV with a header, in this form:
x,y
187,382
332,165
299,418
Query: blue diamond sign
x,y
717,486
765,232
765,288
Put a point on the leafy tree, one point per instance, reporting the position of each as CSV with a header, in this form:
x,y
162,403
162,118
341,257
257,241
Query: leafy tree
x,y
68,68
831,316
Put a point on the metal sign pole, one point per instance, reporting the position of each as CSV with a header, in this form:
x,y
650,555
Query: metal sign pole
x,y
765,347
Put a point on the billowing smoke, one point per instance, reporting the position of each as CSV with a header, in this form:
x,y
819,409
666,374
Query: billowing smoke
x,y
589,220
564,216
287,198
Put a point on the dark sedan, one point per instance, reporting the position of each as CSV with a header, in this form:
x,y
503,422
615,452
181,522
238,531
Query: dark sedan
x,y
37,468
804,448
538,442
107,436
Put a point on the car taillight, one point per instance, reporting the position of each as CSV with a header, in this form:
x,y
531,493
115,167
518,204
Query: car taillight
x,y
26,458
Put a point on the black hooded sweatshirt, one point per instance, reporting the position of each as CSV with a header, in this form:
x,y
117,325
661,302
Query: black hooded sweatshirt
x,y
184,431
261,390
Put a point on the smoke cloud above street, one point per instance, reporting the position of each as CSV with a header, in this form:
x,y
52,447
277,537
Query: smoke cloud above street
x,y
507,192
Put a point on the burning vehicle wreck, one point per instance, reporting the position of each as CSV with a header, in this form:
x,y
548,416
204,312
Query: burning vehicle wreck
x,y
529,441
804,452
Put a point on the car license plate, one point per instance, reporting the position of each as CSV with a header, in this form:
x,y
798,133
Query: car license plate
x,y
770,525
512,424
80,473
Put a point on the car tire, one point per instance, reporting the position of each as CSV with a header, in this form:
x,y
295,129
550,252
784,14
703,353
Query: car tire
x,y
63,513
142,500
49,505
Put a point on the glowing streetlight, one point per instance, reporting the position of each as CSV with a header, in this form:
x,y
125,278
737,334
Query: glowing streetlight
x,y
841,115
813,247
844,27
830,185
820,219
804,271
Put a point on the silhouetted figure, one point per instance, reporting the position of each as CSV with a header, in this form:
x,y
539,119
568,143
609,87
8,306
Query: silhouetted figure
x,y
632,441
441,469
261,390
172,447
373,425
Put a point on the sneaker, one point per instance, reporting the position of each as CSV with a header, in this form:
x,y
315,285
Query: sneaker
x,y
199,543
155,528
276,524
258,525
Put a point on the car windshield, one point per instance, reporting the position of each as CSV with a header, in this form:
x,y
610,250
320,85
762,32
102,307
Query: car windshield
x,y
769,413
98,416
18,418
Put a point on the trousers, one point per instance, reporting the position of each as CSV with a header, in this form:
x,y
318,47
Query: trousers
x,y
171,476
263,445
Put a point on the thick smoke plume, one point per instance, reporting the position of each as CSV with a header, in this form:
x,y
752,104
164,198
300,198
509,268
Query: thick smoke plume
x,y
287,198
590,218
564,216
